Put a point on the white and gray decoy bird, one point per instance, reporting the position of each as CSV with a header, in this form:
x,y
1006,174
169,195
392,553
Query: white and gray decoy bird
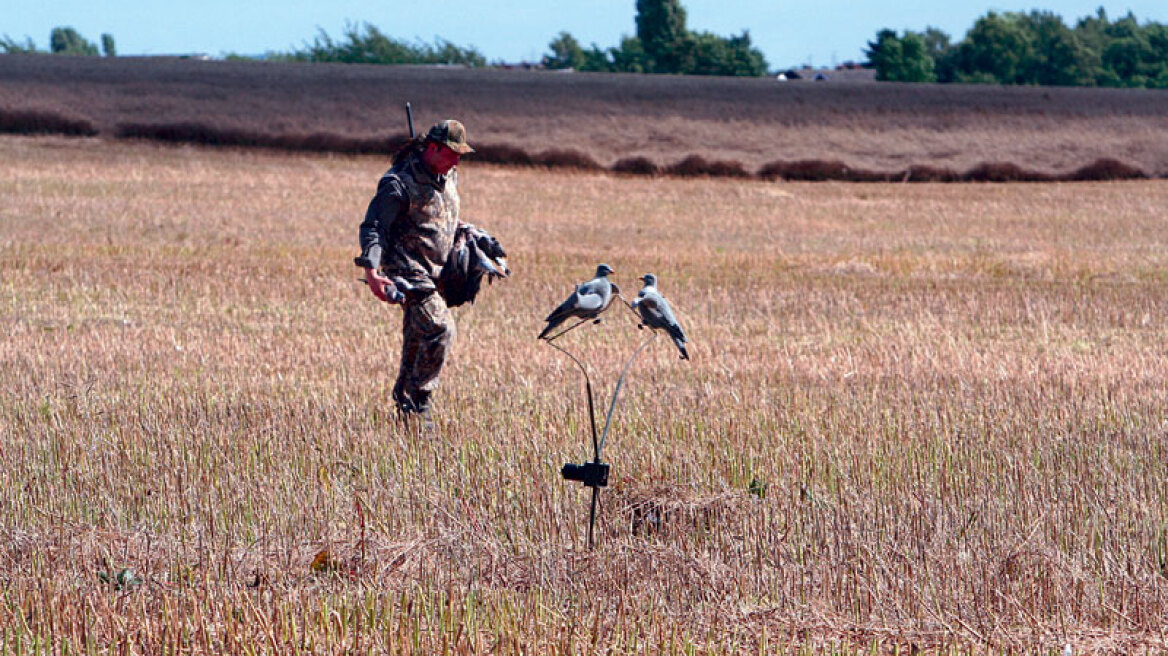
x,y
587,302
656,313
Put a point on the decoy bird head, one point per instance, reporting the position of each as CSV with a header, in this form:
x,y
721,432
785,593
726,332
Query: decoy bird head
x,y
649,279
603,270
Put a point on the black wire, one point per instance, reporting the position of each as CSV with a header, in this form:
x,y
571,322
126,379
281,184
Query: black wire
x,y
567,330
620,381
592,517
587,389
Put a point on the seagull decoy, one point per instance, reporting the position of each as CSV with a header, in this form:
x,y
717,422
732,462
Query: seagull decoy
x,y
587,302
656,313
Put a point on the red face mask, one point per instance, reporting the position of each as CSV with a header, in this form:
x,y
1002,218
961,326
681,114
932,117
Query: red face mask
x,y
439,158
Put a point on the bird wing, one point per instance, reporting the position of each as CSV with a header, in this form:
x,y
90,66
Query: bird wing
x,y
671,325
589,301
594,296
649,309
656,313
564,310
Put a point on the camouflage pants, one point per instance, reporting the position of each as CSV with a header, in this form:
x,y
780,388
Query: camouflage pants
x,y
427,332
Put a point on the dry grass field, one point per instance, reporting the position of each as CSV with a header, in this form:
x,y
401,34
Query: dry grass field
x,y
918,418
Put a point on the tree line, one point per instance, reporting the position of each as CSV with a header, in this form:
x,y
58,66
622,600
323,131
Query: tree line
x,y
366,44
62,41
1035,48
1029,48
663,44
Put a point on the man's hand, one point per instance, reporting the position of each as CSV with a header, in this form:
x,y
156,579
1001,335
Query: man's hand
x,y
382,287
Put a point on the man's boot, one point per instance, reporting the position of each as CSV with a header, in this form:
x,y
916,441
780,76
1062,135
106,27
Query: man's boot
x,y
422,409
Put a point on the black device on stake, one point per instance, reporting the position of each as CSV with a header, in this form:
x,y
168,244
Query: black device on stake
x,y
594,474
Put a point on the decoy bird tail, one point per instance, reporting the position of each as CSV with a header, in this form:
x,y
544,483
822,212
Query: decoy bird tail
x,y
563,311
684,353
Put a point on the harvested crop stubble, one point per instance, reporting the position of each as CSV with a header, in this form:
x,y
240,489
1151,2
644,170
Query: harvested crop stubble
x,y
917,416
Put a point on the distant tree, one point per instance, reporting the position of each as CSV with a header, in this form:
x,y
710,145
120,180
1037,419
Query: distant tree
x,y
66,41
997,47
1135,56
940,47
10,45
630,57
596,59
366,44
746,59
565,53
1037,48
703,53
664,45
1060,58
1157,39
901,59
937,42
107,46
445,52
662,33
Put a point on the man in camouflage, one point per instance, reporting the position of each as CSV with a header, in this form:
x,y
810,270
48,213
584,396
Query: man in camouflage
x,y
406,238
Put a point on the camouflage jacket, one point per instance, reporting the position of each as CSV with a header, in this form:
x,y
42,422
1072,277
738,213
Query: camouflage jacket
x,y
410,224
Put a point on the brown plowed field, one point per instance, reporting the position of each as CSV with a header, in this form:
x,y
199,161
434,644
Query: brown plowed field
x,y
749,122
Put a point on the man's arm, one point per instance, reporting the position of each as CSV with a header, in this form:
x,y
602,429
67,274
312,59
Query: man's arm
x,y
383,210
373,234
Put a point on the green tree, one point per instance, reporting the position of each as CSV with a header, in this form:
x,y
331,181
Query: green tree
x,y
744,58
940,47
937,42
1134,55
998,47
66,41
565,53
662,45
1157,38
1060,57
107,45
901,59
703,53
1036,48
10,45
630,57
662,33
596,59
366,44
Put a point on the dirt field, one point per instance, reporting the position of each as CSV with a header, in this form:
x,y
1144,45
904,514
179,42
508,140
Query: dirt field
x,y
917,417
885,128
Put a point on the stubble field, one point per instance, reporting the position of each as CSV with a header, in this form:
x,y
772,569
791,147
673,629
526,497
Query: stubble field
x,y
918,417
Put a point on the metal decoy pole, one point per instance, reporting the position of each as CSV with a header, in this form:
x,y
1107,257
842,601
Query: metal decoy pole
x,y
595,474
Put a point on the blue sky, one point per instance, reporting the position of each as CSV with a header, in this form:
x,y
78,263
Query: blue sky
x,y
821,32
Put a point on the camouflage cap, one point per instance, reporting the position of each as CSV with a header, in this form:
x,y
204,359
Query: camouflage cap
x,y
450,133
